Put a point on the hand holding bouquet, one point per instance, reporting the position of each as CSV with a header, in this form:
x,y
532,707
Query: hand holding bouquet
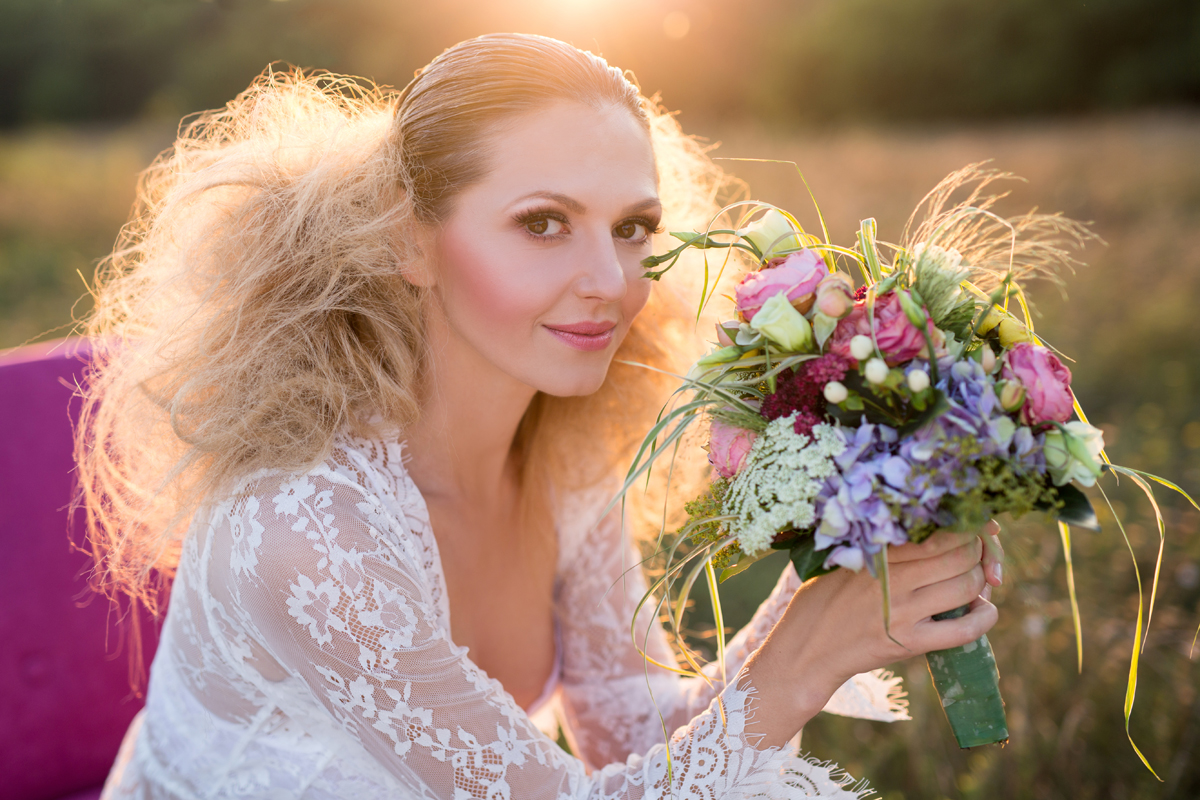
x,y
847,420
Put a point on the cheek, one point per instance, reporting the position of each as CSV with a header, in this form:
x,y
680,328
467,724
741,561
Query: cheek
x,y
483,287
636,297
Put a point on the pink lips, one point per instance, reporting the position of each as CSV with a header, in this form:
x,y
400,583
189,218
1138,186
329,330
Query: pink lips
x,y
585,335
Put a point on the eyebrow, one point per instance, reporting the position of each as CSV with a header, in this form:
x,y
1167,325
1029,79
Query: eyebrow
x,y
577,207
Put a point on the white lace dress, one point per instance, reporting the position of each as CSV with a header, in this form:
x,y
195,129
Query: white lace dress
x,y
307,653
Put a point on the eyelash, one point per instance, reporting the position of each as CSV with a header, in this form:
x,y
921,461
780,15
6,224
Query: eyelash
x,y
525,218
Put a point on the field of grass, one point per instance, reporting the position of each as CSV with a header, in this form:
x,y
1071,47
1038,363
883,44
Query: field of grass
x,y
1131,321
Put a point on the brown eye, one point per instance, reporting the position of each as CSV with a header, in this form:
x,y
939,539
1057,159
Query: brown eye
x,y
631,230
544,226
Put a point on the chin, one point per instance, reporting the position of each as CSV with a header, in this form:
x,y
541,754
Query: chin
x,y
573,382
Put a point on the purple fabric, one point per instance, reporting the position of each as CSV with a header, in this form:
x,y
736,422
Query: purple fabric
x,y
86,794
65,695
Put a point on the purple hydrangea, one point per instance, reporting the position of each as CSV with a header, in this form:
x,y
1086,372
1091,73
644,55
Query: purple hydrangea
x,y
886,486
856,518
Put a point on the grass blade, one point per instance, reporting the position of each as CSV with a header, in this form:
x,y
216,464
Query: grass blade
x,y
1162,540
885,583
1163,481
866,240
1131,684
1064,531
714,594
816,205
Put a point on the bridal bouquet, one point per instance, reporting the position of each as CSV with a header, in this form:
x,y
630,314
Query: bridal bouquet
x,y
846,419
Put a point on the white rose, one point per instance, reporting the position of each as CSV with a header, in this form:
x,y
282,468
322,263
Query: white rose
x,y
782,324
1076,456
772,233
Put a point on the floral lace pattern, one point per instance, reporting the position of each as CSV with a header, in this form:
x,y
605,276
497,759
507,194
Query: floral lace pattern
x,y
307,653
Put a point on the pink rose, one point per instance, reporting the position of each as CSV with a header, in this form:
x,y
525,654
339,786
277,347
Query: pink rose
x,y
1047,383
835,295
798,276
898,339
728,447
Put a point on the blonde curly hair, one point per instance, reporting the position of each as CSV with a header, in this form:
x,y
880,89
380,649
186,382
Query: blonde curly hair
x,y
256,303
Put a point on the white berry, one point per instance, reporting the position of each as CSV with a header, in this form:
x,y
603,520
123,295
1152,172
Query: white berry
x,y
861,347
836,392
918,380
877,370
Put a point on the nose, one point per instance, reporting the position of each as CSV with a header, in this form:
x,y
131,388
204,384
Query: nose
x,y
602,275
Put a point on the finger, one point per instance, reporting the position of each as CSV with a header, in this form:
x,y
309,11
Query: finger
x,y
986,594
993,554
944,634
980,602
913,575
935,545
948,594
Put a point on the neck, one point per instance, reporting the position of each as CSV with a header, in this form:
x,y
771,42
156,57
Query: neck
x,y
461,447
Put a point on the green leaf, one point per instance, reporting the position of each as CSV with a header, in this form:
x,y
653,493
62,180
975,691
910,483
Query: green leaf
x,y
1077,509
808,561
940,288
785,540
723,356
911,310
939,405
823,327
886,285
744,563
853,416
958,319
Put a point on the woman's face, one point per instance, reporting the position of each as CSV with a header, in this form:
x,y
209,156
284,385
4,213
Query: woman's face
x,y
537,267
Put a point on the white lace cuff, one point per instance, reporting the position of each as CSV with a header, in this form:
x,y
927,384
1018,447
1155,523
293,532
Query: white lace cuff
x,y
715,757
876,695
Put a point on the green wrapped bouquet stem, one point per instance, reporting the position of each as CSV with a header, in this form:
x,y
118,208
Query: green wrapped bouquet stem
x,y
968,684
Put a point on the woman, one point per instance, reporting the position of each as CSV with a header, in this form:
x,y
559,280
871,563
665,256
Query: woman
x,y
359,394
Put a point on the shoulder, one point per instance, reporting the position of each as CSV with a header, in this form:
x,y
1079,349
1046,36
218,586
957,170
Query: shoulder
x,y
359,498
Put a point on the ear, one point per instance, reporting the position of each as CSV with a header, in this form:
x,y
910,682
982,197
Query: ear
x,y
420,269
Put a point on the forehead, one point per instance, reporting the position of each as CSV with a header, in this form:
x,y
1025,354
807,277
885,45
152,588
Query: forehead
x,y
599,153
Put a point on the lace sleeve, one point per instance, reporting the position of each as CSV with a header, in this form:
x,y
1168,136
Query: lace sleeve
x,y
320,581
614,701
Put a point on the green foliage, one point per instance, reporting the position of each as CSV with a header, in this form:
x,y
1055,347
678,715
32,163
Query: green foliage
x,y
75,60
808,561
700,512
810,62
890,403
939,287
739,418
936,59
1001,490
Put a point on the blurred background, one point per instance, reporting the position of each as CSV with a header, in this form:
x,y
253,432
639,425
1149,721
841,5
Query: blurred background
x,y
1096,105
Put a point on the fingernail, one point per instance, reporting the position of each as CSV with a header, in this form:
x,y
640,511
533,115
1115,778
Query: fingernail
x,y
999,572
